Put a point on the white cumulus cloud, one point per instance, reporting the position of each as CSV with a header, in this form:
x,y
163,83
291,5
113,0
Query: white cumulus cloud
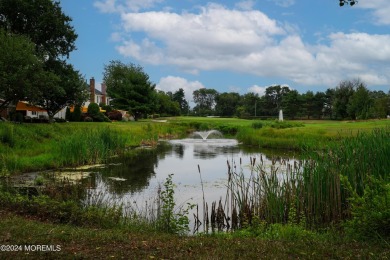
x,y
173,84
380,10
247,41
257,90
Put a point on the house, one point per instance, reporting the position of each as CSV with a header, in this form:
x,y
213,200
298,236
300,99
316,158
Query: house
x,y
31,112
97,96
24,110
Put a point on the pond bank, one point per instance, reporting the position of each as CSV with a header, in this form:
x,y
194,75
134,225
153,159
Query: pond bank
x,y
35,147
88,243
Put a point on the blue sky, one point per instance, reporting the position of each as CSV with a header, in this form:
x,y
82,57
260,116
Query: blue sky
x,y
235,46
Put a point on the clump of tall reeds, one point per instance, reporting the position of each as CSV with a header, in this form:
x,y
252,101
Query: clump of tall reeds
x,y
7,134
90,146
328,188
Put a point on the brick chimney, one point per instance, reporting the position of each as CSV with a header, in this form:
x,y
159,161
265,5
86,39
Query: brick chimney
x,y
92,90
104,93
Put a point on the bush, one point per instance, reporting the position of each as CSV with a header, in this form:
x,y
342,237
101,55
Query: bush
x,y
94,112
114,115
68,115
93,109
7,135
100,118
257,125
370,212
227,129
76,115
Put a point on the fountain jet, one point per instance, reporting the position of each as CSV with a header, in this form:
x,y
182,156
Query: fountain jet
x,y
205,134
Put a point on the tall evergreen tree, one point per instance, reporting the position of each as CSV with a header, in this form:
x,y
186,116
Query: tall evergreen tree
x,y
130,89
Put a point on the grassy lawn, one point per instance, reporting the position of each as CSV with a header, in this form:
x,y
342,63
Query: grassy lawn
x,y
87,243
31,147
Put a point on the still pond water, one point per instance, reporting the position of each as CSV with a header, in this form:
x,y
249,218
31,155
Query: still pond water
x,y
134,182
198,165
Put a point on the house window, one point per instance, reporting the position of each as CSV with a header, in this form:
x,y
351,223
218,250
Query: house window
x,y
34,113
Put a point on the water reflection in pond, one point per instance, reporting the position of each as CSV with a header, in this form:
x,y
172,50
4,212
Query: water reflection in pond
x,y
133,180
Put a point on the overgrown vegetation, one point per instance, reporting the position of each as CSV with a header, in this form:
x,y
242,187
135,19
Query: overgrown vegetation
x,y
169,218
346,185
89,146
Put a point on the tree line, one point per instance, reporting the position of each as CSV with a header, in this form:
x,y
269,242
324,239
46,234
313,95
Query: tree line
x,y
350,99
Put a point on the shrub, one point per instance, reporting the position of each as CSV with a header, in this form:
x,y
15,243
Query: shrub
x,y
68,114
114,115
7,135
93,109
106,107
169,220
100,118
370,212
94,112
257,125
76,115
227,129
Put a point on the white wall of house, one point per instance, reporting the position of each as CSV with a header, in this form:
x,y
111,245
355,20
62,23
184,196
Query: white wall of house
x,y
36,114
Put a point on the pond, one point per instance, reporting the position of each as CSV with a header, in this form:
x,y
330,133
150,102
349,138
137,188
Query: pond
x,y
199,166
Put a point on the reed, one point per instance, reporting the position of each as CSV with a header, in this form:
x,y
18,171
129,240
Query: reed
x,y
313,193
89,146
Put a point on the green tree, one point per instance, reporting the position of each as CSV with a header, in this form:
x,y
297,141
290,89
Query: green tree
x,y
48,28
68,114
328,103
129,88
59,87
20,68
308,103
179,97
43,22
291,104
167,106
342,94
273,98
359,103
380,106
319,104
76,115
250,105
227,103
205,101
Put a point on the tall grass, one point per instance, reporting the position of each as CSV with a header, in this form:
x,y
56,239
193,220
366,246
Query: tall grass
x,y
319,191
344,171
90,146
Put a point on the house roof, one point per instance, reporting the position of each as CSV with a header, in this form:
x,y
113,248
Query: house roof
x,y
97,92
24,106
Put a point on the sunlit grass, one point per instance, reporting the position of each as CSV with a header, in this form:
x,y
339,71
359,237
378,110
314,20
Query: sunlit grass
x,y
32,146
